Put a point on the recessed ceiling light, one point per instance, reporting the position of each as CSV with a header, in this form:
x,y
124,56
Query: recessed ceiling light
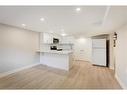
x,y
78,9
63,34
42,19
23,25
82,40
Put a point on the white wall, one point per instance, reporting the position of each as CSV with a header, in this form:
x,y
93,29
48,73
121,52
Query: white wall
x,y
121,56
83,49
111,52
17,48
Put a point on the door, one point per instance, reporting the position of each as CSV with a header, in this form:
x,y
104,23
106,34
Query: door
x,y
83,49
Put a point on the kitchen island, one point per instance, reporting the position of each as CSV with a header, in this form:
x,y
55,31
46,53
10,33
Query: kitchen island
x,y
57,59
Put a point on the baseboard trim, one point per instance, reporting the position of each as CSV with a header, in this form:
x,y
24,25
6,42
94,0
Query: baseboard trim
x,y
17,70
82,60
111,68
120,82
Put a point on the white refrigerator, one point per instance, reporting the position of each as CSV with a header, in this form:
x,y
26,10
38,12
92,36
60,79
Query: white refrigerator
x,y
99,52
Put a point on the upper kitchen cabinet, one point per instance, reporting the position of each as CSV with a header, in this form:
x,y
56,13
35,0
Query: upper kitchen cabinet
x,y
67,40
44,38
47,38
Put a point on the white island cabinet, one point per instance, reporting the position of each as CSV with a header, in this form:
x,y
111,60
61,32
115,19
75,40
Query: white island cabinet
x,y
57,59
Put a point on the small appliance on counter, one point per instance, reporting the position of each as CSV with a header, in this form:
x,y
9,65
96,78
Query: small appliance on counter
x,y
53,47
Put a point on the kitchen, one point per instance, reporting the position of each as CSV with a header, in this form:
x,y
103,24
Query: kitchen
x,y
58,49
62,50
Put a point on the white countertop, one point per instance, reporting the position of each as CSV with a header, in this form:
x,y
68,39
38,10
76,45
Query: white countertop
x,y
55,51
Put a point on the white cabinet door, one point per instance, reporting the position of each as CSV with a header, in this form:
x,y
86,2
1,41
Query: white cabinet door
x,y
67,40
50,40
47,38
41,38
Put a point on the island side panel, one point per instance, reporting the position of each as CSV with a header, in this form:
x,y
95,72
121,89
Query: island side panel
x,y
60,61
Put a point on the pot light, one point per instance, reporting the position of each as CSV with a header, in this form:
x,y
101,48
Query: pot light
x,y
24,25
42,19
78,9
82,40
63,34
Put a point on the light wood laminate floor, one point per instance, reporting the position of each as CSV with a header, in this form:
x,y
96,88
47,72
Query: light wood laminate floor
x,y
82,75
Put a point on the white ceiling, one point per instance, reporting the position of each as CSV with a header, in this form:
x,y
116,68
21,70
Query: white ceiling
x,y
86,22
